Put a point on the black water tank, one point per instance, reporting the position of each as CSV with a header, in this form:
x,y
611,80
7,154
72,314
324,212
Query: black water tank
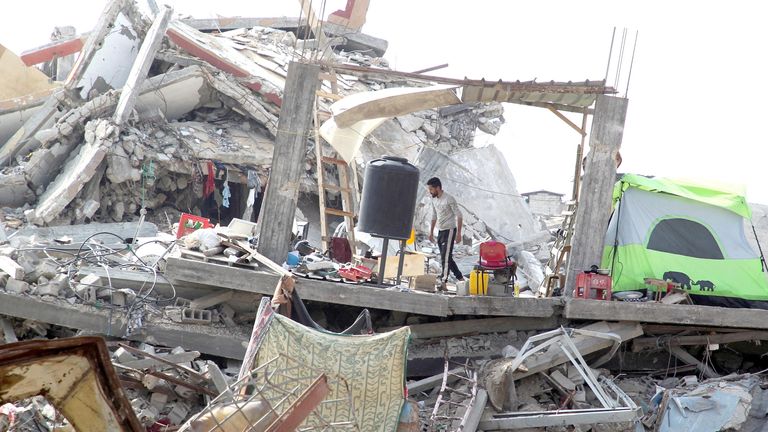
x,y
389,198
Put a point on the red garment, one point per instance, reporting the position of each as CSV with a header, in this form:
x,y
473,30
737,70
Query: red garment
x,y
210,184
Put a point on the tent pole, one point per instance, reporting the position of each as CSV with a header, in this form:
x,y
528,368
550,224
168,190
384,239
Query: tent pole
x,y
759,248
616,236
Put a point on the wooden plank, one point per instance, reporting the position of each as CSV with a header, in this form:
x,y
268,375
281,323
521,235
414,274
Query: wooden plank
x,y
11,267
327,95
599,178
709,316
691,360
336,212
723,338
348,205
337,188
321,187
281,196
336,161
140,68
567,121
481,326
180,269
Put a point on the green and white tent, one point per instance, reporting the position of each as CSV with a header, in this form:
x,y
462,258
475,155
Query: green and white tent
x,y
690,233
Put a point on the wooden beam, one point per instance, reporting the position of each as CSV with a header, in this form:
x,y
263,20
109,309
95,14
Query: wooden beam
x,y
141,65
567,121
684,356
290,150
667,314
599,178
723,338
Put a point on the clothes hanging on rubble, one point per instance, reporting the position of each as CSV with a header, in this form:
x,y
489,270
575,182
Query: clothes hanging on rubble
x,y
226,194
210,183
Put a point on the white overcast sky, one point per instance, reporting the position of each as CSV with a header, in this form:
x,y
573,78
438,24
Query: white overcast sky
x,y
697,93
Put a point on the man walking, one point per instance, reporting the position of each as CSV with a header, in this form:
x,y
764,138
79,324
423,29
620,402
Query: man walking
x,y
447,217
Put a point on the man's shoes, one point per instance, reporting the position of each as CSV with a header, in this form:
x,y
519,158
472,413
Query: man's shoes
x,y
442,287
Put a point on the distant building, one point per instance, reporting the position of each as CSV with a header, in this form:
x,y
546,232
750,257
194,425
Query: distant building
x,y
544,203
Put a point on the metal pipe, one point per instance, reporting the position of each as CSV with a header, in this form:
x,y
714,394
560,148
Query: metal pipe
x,y
383,263
401,263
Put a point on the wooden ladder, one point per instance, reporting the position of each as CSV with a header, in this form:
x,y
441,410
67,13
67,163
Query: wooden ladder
x,y
558,255
347,179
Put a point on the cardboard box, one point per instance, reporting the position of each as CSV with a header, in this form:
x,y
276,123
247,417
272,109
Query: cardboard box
x,y
424,282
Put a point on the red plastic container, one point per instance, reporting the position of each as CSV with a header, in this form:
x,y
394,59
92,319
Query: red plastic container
x,y
189,222
593,286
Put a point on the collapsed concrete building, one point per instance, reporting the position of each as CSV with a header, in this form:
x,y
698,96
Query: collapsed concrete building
x,y
118,132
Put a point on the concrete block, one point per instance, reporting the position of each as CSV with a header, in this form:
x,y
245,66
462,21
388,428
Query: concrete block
x,y
122,355
48,268
563,380
14,191
148,415
158,400
87,287
152,382
184,392
50,289
16,286
147,348
195,316
227,315
179,412
11,267
182,302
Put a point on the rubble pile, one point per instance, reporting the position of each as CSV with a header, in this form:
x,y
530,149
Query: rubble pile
x,y
167,387
159,158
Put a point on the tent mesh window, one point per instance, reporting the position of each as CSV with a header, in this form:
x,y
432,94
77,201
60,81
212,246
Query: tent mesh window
x,y
684,237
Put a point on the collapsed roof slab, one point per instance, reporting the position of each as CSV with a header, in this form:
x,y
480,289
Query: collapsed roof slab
x,y
353,41
113,43
99,67
220,53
